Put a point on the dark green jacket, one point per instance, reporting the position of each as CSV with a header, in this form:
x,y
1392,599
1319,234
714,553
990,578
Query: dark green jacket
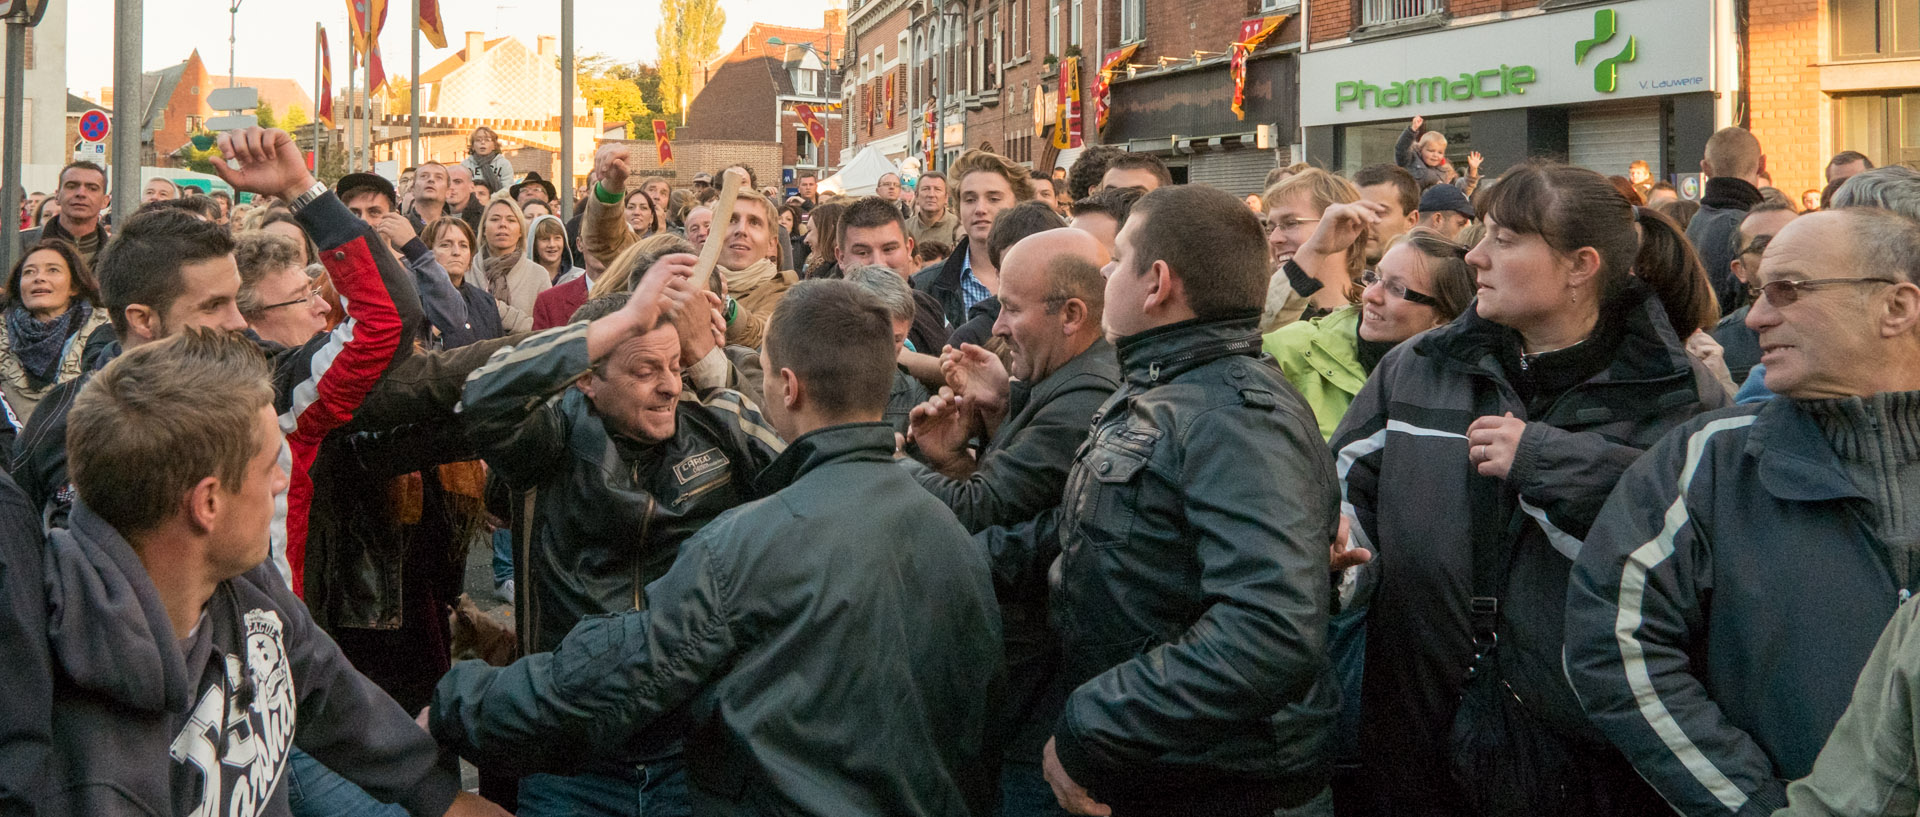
x,y
832,649
600,516
1192,595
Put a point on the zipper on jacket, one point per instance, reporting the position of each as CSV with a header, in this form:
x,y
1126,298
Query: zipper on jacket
x,y
646,524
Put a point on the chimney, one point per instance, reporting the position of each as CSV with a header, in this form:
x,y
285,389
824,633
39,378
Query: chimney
x,y
475,41
834,21
549,45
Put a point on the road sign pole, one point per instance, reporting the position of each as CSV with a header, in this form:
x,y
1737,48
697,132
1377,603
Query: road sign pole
x,y
317,91
127,105
566,109
413,93
10,165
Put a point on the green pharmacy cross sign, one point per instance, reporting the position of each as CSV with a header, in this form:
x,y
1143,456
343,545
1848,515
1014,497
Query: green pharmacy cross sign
x,y
1506,80
1606,74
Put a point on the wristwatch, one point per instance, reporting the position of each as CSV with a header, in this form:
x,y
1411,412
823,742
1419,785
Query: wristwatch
x,y
301,201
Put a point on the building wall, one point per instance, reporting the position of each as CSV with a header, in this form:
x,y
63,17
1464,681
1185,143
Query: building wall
x,y
45,101
186,110
738,96
693,156
1791,117
507,81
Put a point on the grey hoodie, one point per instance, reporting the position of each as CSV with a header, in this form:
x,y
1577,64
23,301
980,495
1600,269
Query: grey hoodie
x,y
147,724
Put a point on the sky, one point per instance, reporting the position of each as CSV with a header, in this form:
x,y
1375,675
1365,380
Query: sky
x,y
274,38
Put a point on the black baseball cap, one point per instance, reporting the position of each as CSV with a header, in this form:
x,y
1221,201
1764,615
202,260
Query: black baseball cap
x,y
1446,197
359,184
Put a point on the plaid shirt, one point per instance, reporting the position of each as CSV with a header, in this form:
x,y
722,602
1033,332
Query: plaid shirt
x,y
971,290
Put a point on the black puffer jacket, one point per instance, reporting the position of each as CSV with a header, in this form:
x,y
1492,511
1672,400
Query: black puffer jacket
x,y
831,649
1192,592
1419,505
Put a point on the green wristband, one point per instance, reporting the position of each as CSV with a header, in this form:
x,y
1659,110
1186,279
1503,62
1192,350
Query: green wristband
x,y
606,197
733,310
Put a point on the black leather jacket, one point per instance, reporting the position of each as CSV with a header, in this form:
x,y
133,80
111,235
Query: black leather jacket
x,y
600,516
831,649
1191,586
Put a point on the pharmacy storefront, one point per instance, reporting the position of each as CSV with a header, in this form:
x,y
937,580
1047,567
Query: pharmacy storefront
x,y
1600,85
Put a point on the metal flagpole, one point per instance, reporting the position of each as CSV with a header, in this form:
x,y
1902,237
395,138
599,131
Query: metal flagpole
x,y
318,32
10,165
352,132
413,95
127,105
566,109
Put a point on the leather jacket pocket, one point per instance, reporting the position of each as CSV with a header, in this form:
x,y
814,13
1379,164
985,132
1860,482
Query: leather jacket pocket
x,y
1113,493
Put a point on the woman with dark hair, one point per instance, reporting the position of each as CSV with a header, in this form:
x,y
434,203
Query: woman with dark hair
x,y
52,307
823,241
642,216
1473,462
453,243
792,219
49,208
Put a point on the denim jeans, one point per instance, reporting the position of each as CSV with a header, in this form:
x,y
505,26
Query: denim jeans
x,y
1024,792
502,556
655,790
313,790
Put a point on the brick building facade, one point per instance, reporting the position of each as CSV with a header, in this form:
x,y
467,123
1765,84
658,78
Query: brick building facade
x,y
752,92
1000,63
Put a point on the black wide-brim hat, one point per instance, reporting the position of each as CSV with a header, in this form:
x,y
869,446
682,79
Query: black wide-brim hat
x,y
533,177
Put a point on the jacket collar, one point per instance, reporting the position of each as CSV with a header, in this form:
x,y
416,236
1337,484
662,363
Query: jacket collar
x,y
1648,349
106,625
1728,193
1089,360
57,228
872,442
955,267
1337,338
1163,352
1796,461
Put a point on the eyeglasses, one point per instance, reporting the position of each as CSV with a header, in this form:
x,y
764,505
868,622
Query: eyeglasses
x,y
1758,246
1399,290
1784,293
312,297
1289,224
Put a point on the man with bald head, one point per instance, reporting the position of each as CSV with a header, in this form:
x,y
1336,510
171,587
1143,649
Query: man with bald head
x,y
1734,584
1733,166
1033,419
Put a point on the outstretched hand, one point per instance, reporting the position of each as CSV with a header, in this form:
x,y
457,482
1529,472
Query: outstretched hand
x,y
940,427
976,374
1473,163
1417,122
1341,225
270,163
666,288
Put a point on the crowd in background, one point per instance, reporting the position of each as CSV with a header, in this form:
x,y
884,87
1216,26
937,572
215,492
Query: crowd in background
x,y
1419,490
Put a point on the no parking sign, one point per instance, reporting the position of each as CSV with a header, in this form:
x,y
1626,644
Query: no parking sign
x,y
94,125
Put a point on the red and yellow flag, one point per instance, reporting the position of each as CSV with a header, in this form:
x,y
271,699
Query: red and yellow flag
x,y
661,141
1103,84
926,136
1251,33
889,105
1066,126
430,25
323,102
815,128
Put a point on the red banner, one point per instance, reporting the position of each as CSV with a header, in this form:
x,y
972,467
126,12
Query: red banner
x,y
323,107
815,128
1066,125
890,101
430,25
1251,33
1103,84
662,141
926,137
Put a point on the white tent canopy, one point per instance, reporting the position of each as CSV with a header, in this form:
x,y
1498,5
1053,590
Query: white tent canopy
x,y
860,176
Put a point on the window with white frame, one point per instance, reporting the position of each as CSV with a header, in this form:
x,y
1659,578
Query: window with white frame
x,y
999,44
1276,5
1073,27
1133,20
1053,28
805,82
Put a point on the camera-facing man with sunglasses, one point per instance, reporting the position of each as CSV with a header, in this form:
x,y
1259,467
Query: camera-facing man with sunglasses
x,y
1735,583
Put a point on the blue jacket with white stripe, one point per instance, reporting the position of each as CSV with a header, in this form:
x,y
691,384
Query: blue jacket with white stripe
x,y
1417,502
1727,597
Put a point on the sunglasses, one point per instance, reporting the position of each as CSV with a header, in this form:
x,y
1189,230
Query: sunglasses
x,y
1399,290
1785,293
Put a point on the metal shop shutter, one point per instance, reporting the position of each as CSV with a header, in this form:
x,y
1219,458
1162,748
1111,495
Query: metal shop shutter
x,y
1236,171
1607,138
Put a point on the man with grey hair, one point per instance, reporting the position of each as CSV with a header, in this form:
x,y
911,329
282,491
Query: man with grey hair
x,y
1696,637
892,291
1051,301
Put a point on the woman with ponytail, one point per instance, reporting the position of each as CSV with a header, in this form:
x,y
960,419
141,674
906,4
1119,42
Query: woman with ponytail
x,y
1473,462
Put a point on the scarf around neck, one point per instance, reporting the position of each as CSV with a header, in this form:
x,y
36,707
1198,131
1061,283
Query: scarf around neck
x,y
38,343
741,282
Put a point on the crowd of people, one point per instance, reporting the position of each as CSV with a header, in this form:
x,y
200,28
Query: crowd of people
x,y
1415,491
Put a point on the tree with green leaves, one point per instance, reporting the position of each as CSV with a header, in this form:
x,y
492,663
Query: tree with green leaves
x,y
611,85
296,119
264,113
688,36
197,159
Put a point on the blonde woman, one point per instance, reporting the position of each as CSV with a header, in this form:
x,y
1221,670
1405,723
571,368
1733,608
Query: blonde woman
x,y
509,275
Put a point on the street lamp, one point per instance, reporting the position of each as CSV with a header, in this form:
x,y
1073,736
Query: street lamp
x,y
233,21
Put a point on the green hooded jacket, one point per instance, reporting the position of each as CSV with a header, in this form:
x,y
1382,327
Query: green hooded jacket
x,y
1321,358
